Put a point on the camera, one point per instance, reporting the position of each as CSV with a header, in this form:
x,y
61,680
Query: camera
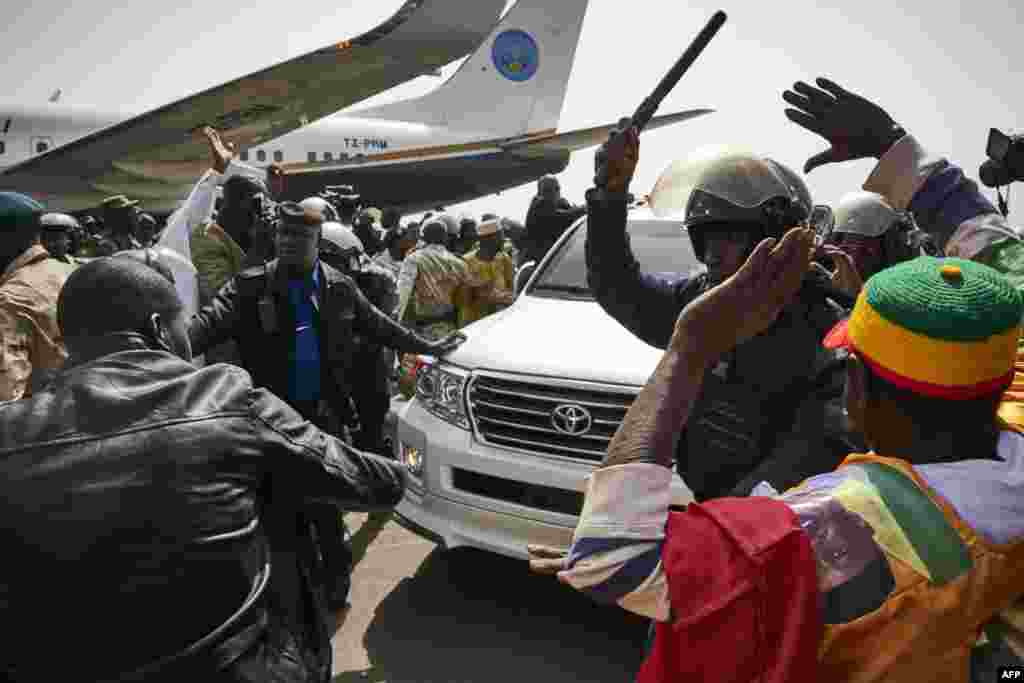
x,y
1005,162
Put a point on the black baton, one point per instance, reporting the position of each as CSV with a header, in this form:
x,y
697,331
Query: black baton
x,y
643,113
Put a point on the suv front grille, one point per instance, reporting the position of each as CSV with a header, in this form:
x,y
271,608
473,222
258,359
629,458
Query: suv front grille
x,y
518,413
531,495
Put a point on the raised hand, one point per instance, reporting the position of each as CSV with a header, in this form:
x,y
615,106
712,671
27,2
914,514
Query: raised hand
x,y
615,160
221,153
747,303
845,277
854,127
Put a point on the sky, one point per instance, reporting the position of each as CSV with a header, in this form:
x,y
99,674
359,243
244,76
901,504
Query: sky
x,y
946,71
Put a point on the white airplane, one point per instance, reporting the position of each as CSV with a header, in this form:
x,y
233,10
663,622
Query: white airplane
x,y
490,127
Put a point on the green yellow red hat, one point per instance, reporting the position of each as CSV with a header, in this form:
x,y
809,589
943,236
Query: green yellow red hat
x,y
940,327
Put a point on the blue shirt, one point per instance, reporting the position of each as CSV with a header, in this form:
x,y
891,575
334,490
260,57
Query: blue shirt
x,y
304,363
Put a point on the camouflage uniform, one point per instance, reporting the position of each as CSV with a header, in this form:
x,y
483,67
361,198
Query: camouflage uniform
x,y
31,345
428,289
217,258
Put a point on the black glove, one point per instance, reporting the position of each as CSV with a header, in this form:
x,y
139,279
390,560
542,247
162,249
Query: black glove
x,y
616,159
854,127
447,345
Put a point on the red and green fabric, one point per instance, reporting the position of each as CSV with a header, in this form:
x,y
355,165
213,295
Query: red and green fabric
x,y
906,523
940,327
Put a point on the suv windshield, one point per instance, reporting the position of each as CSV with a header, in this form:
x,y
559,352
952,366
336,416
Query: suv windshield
x,y
659,246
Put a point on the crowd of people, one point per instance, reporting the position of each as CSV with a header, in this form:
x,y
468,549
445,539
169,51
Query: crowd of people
x,y
189,408
111,313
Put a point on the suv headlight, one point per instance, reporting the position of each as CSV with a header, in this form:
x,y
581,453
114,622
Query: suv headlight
x,y
442,390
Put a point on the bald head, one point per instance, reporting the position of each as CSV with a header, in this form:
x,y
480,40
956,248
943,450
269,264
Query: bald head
x,y
117,295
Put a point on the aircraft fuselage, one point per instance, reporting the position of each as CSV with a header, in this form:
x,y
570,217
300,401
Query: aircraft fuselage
x,y
412,166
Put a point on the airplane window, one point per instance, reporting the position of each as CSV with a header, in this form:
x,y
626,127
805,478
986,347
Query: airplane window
x,y
245,155
261,155
41,147
328,156
311,156
278,155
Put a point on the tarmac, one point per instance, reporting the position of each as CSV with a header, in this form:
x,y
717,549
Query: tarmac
x,y
423,614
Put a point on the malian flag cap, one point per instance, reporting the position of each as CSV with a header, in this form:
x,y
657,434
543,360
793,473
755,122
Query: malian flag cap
x,y
939,327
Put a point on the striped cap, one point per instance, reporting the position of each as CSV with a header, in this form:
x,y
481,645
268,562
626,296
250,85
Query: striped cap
x,y
940,327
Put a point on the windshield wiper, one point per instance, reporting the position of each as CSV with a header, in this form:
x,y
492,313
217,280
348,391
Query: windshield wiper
x,y
557,287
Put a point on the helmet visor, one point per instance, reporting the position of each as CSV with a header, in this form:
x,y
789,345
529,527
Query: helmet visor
x,y
730,174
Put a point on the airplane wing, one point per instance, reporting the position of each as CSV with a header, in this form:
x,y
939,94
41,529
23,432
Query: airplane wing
x,y
421,36
588,137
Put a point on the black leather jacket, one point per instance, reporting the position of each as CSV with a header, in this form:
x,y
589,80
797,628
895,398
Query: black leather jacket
x,y
345,314
546,220
147,504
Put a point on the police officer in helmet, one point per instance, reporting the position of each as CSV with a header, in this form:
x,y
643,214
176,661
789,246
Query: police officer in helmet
x,y
56,230
758,417
875,235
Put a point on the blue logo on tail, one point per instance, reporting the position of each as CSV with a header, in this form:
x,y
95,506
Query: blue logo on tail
x,y
515,55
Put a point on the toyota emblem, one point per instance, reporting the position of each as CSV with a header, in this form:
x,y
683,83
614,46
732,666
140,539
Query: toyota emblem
x,y
571,419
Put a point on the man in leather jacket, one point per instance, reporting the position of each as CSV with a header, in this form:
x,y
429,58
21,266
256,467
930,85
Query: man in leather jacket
x,y
295,320
759,417
151,505
253,309
548,217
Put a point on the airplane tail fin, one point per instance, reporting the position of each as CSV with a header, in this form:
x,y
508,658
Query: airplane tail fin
x,y
514,84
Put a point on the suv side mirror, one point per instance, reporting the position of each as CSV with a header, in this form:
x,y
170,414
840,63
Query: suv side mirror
x,y
523,275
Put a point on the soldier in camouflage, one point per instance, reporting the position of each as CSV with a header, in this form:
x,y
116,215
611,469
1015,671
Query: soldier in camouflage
x,y
429,284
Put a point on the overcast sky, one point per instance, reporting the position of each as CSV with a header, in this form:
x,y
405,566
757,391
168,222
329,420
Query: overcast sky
x,y
946,71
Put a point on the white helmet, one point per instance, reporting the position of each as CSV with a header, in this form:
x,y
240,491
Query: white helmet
x,y
864,213
322,206
340,247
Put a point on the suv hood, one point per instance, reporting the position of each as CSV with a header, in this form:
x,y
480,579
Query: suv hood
x,y
560,338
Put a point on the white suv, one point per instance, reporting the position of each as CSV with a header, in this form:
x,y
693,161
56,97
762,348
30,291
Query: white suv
x,y
503,433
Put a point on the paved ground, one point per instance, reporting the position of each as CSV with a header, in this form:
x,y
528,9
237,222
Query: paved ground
x,y
423,615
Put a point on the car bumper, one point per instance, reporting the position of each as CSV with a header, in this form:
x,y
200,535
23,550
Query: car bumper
x,y
473,494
